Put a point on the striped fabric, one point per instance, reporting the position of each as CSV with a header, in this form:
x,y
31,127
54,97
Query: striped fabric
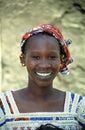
x,y
72,118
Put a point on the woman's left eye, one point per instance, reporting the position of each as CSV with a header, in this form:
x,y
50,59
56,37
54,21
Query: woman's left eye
x,y
52,57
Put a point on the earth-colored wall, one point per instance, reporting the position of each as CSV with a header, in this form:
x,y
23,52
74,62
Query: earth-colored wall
x,y
17,16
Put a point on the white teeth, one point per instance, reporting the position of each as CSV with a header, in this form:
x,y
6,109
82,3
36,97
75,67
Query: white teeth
x,y
43,74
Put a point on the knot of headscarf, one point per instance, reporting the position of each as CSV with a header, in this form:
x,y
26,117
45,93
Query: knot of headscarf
x,y
65,57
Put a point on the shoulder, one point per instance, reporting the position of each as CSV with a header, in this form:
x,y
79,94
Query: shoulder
x,y
78,101
2,112
1,98
79,106
76,98
4,104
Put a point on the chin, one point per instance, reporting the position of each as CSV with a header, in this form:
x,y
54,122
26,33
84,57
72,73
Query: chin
x,y
44,83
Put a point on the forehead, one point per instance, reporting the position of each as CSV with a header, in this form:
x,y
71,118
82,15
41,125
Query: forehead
x,y
43,41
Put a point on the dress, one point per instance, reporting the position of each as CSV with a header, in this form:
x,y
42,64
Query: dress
x,y
72,118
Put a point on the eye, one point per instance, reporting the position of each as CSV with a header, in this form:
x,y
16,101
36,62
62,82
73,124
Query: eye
x,y
36,57
52,57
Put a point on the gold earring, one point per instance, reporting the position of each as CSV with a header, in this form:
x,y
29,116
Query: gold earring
x,y
22,64
60,65
62,58
21,56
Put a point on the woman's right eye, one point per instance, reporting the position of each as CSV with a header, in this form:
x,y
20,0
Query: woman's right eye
x,y
36,57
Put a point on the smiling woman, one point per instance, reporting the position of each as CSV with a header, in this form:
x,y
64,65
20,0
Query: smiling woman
x,y
42,58
44,53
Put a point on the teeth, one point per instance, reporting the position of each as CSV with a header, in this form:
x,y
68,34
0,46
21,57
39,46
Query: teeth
x,y
43,74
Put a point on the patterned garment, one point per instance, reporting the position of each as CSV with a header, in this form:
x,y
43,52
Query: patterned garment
x,y
72,118
55,32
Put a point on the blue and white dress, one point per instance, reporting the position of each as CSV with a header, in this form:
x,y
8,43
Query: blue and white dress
x,y
72,118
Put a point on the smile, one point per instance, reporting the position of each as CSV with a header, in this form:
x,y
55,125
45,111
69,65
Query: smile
x,y
44,75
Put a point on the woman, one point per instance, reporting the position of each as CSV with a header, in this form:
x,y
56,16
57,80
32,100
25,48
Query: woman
x,y
44,53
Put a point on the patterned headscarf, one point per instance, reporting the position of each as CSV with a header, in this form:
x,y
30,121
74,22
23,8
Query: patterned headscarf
x,y
51,29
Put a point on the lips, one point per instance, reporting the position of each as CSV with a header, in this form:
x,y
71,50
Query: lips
x,y
44,75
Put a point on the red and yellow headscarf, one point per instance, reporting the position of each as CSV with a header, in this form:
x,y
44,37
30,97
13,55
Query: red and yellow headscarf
x,y
65,58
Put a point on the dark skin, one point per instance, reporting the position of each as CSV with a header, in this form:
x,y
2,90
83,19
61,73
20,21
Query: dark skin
x,y
43,54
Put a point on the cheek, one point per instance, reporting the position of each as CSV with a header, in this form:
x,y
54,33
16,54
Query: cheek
x,y
56,61
56,65
30,64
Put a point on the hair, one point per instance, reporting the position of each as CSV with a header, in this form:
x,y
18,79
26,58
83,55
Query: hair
x,y
48,127
83,128
52,127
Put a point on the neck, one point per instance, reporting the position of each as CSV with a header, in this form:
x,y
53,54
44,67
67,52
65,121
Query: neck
x,y
38,92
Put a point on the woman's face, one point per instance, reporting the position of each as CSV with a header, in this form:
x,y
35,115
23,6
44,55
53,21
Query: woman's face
x,y
42,60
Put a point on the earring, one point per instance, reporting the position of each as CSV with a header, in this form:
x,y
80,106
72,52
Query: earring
x,y
22,64
62,58
60,66
21,56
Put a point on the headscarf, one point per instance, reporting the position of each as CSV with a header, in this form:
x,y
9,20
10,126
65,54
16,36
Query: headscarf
x,y
51,29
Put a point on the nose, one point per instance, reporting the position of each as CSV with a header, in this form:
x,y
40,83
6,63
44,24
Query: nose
x,y
45,63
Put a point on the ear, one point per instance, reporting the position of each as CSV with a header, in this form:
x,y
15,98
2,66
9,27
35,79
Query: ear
x,y
22,59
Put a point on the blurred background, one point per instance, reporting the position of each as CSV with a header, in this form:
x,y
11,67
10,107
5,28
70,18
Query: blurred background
x,y
17,16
